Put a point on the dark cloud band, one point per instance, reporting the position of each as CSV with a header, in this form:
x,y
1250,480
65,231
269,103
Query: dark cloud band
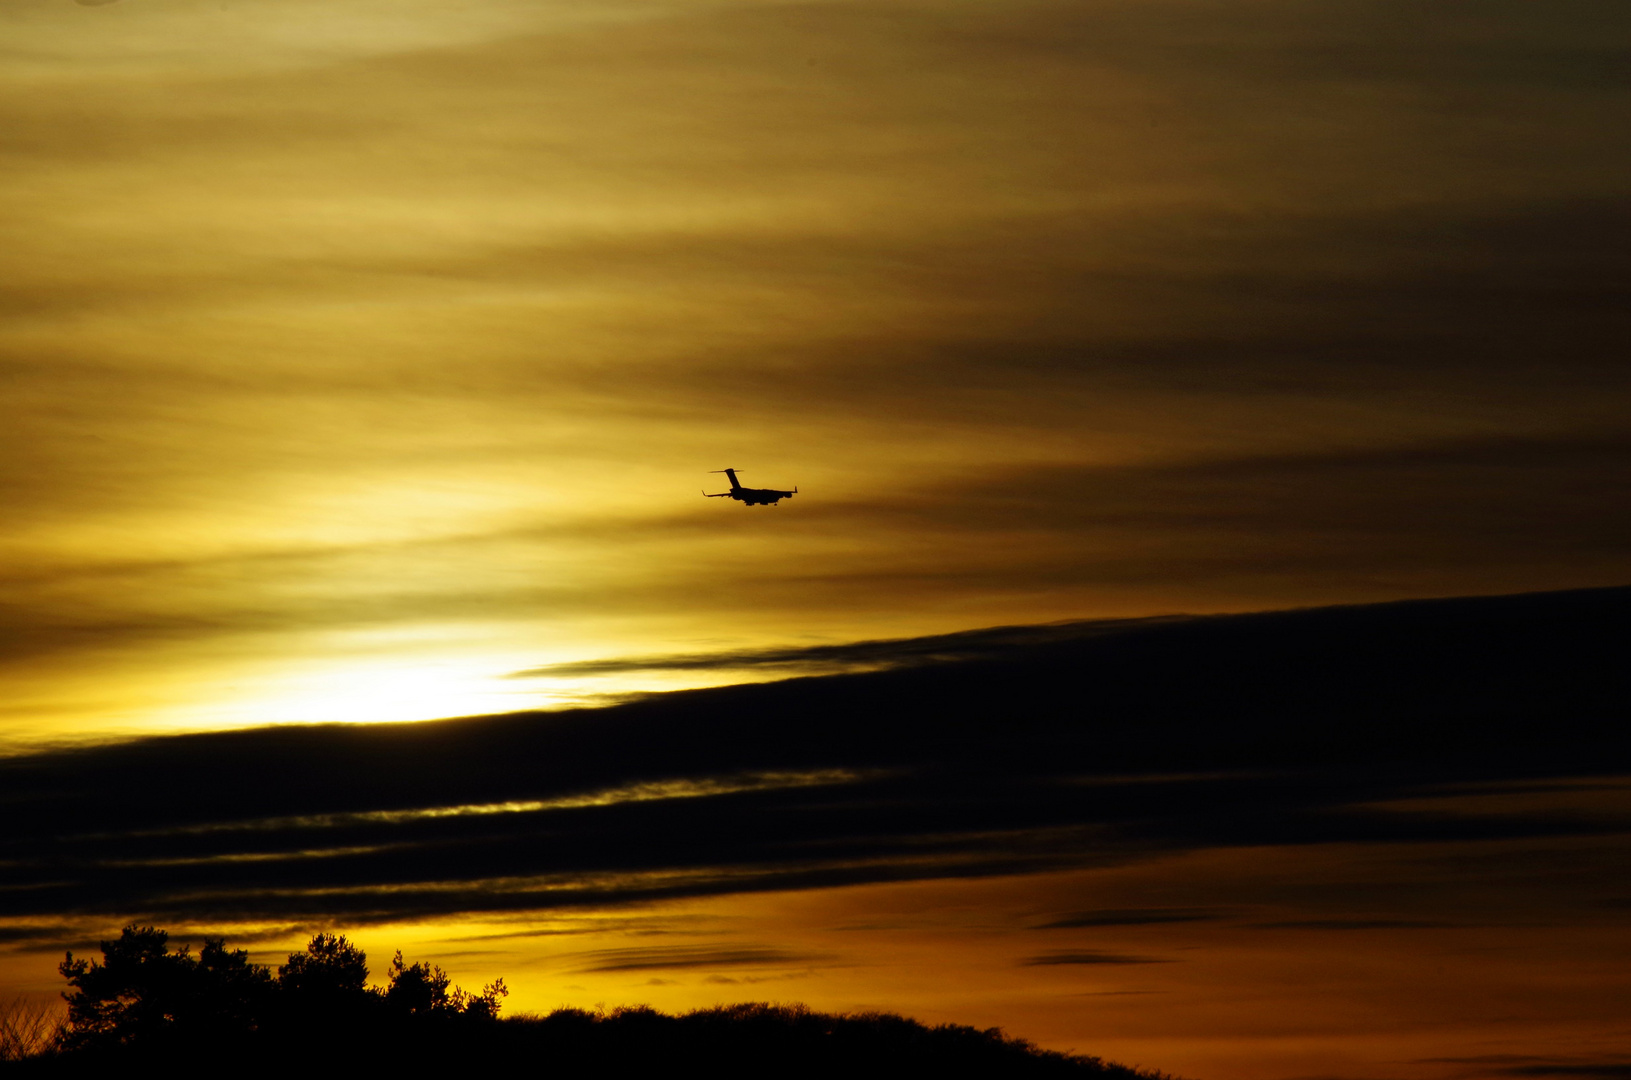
x,y
1055,749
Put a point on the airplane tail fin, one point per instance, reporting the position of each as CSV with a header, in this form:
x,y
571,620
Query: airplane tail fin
x,y
732,474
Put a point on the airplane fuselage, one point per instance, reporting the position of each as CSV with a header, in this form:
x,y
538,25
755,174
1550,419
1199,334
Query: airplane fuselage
x,y
752,496
759,496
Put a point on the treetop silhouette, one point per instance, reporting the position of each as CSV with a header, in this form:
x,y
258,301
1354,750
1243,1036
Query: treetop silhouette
x,y
147,1003
143,995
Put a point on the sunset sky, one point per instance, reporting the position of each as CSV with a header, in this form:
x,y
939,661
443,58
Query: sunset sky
x,y
365,360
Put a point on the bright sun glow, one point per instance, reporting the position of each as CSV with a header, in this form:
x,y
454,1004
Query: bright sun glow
x,y
355,689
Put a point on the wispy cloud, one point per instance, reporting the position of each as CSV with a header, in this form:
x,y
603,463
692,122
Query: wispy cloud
x,y
1538,1066
1352,924
1057,958
657,959
635,793
1130,917
941,648
1051,310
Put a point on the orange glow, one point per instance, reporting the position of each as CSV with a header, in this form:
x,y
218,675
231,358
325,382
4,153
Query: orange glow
x,y
365,360
1277,962
361,353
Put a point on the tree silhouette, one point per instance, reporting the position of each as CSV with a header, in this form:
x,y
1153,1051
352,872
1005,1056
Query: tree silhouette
x,y
143,994
424,990
145,1003
420,989
331,974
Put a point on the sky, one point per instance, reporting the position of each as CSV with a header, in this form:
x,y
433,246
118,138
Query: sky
x,y
1376,841
366,361
357,355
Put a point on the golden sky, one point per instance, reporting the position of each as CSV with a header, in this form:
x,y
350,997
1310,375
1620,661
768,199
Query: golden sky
x,y
365,360
356,353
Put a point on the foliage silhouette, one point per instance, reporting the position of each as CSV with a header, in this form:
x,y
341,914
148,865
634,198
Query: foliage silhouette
x,y
28,1028
145,1003
142,993
330,976
143,999
422,990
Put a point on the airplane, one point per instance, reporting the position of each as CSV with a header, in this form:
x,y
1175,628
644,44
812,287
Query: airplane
x,y
751,496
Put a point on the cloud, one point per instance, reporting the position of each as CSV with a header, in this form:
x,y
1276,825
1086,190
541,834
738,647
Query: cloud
x,y
1351,924
1054,958
1528,1065
654,959
31,932
1130,917
940,648
1094,749
1068,310
1404,502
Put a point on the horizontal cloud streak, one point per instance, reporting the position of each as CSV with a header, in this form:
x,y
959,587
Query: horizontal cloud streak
x,y
636,793
1052,311
1527,1065
941,648
658,959
1044,753
1130,917
1055,959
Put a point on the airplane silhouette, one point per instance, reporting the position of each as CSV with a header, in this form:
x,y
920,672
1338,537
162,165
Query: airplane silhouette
x,y
751,496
